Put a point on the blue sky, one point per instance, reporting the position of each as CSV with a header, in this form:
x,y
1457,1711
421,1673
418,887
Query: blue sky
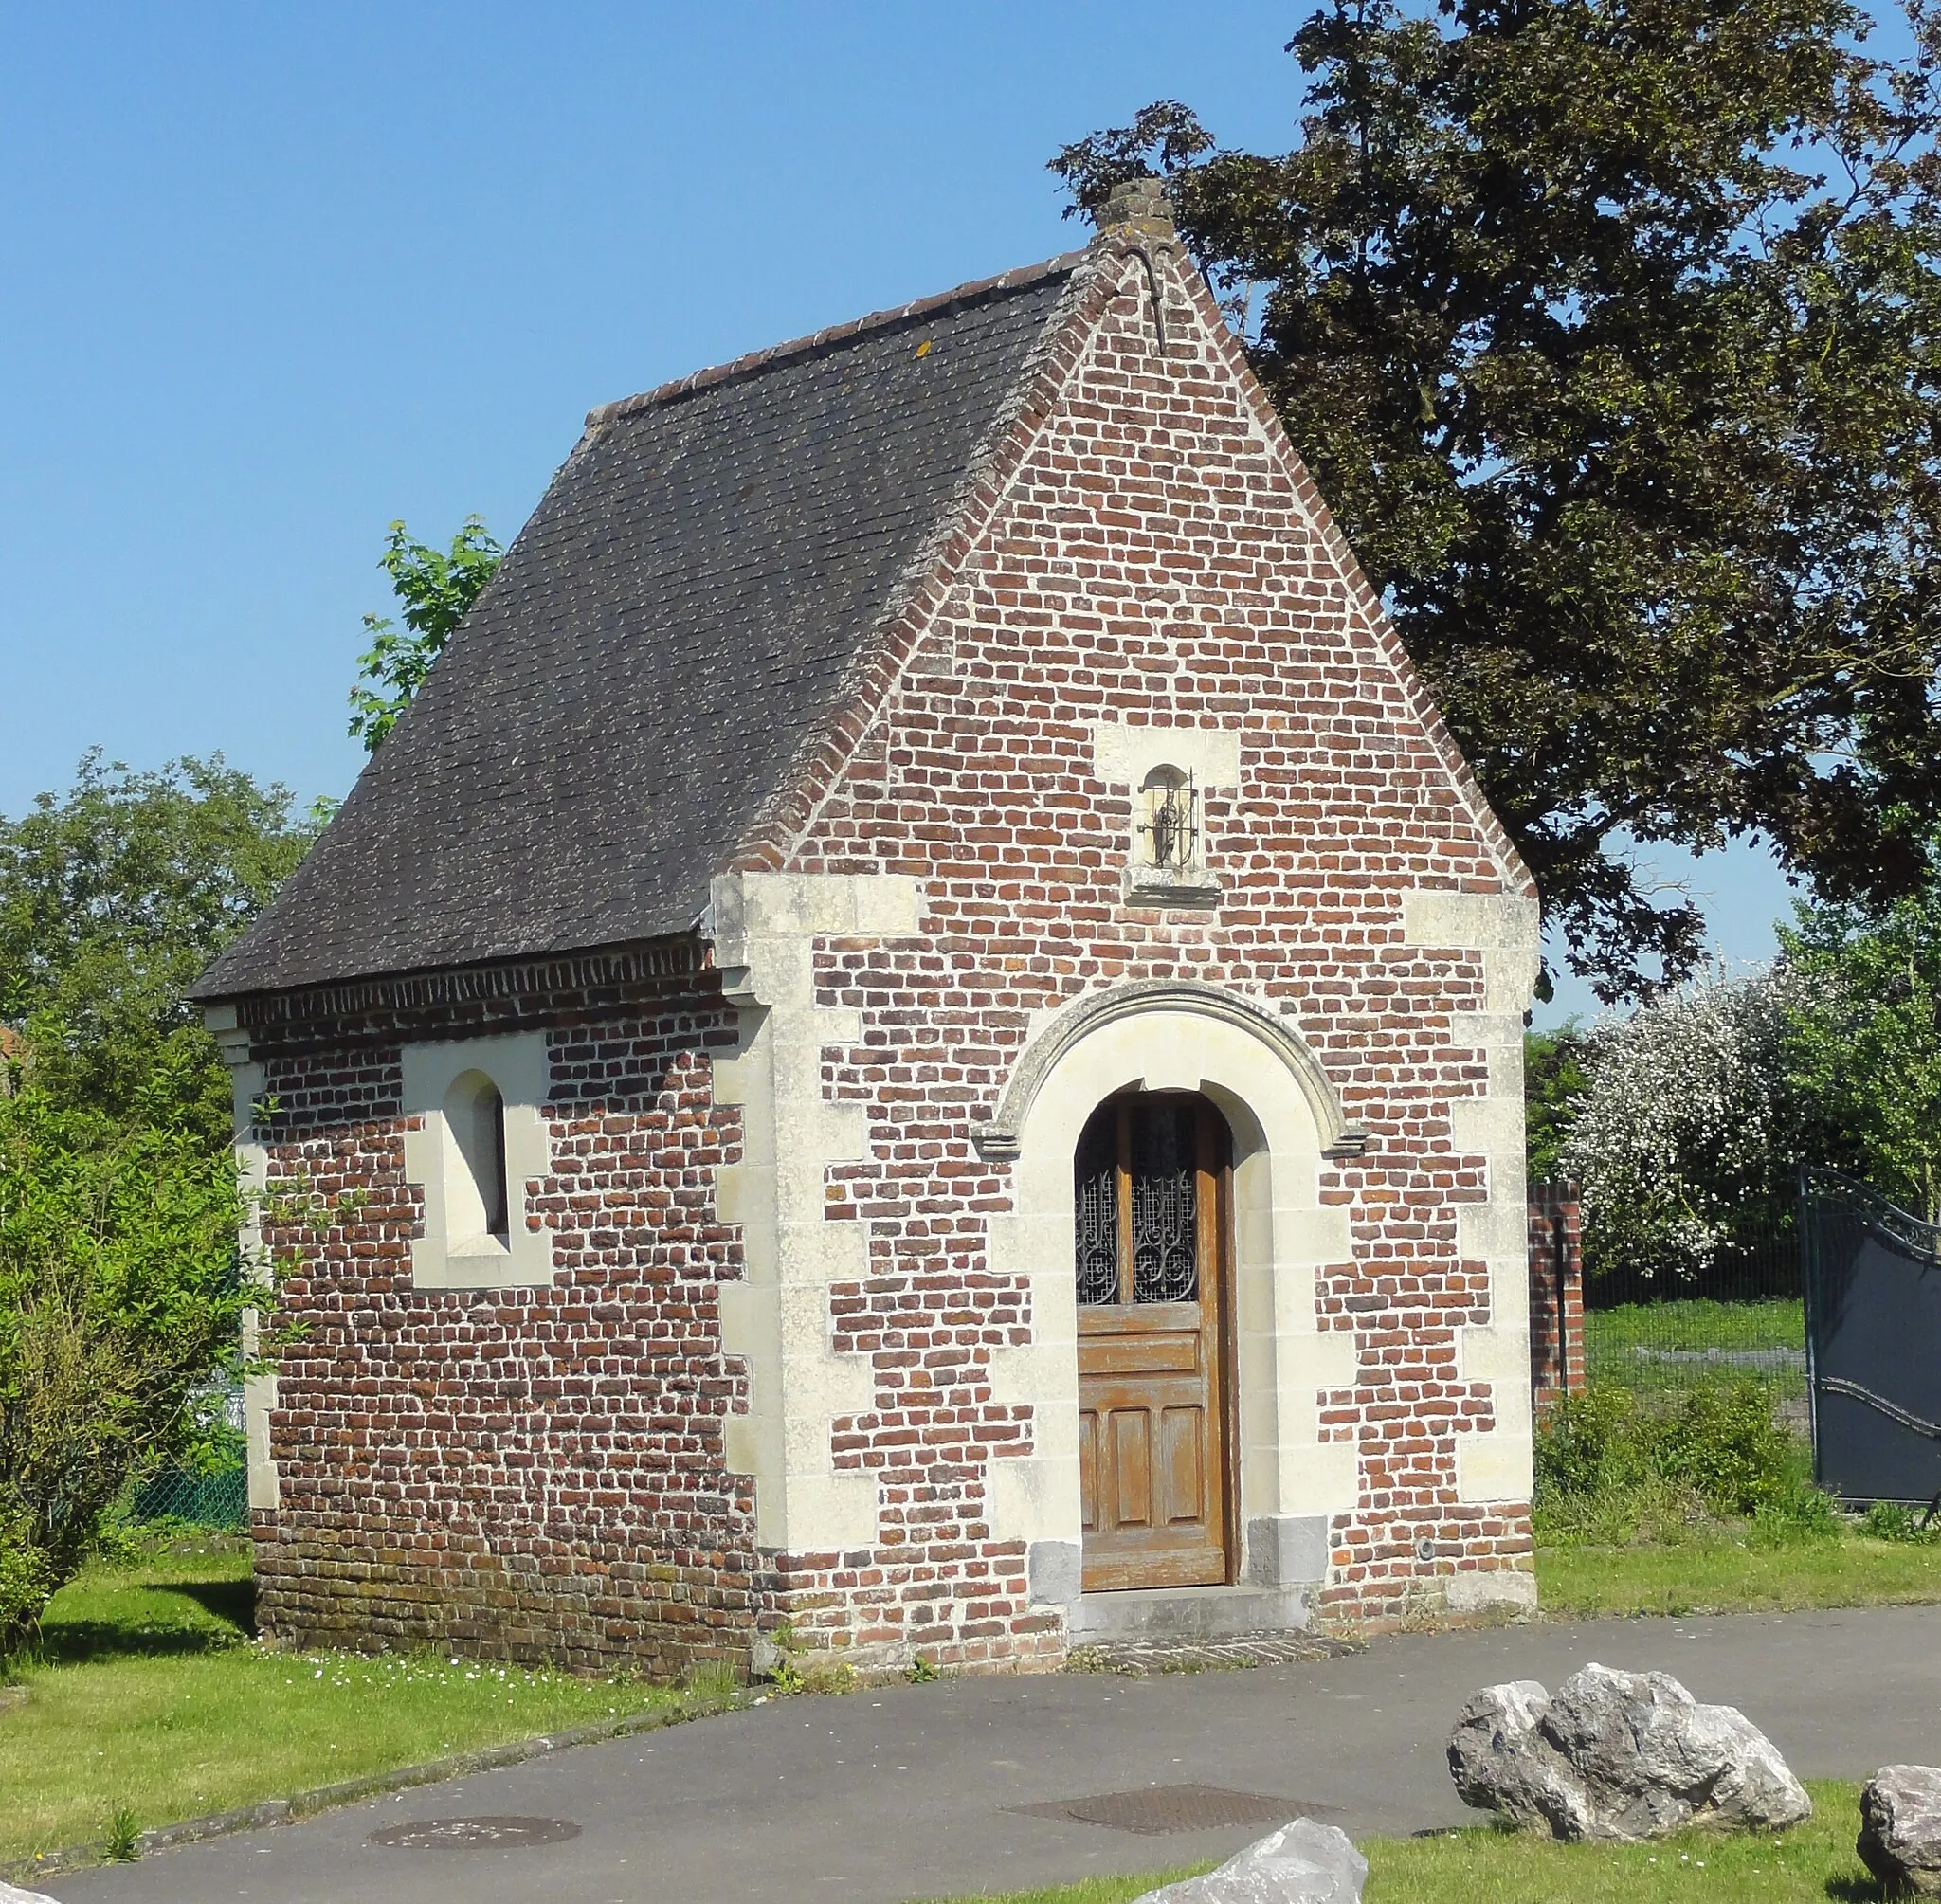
x,y
275,275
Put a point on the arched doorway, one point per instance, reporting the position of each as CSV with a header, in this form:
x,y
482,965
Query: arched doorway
x,y
1154,1226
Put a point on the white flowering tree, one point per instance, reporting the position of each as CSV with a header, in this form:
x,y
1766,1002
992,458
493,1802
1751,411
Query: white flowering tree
x,y
1690,1127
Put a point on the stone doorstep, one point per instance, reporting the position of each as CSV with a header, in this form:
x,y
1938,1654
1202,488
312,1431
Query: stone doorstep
x,y
1191,1615
1137,1658
349,1791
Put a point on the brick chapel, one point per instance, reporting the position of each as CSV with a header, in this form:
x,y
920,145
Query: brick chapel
x,y
917,1034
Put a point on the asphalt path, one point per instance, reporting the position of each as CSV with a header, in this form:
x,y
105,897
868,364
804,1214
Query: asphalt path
x,y
911,1792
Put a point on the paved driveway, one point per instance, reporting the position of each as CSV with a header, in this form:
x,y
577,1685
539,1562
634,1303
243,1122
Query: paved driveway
x,y
915,1792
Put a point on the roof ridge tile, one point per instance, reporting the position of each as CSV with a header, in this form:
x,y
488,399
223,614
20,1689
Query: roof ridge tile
x,y
832,334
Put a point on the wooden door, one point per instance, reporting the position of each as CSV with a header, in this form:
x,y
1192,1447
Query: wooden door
x,y
1154,1187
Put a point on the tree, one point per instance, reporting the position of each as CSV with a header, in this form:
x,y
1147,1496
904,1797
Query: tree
x,y
1553,1085
121,1287
435,591
113,899
120,1298
1689,1131
1611,330
1863,1041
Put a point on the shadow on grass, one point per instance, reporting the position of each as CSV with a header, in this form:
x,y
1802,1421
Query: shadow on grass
x,y
83,1643
1856,1889
233,1601
229,1607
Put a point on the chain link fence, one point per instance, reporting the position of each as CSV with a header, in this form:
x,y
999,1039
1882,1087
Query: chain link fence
x,y
1742,1317
217,1499
214,1491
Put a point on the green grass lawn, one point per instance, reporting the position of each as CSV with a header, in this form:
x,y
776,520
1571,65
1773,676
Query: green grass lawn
x,y
1724,1570
1777,1322
1649,1348
149,1696
1812,1863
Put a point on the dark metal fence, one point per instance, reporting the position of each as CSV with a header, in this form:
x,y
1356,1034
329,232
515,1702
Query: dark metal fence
x,y
1873,1316
1661,1332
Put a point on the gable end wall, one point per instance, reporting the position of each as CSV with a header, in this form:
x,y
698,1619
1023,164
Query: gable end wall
x,y
791,1337
1152,553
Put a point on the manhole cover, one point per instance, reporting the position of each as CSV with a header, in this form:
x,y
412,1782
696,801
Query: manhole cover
x,y
455,1834
1175,1807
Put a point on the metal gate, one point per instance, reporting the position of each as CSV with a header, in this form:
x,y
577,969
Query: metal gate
x,y
1873,1342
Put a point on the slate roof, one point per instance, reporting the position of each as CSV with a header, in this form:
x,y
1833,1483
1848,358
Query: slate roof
x,y
635,682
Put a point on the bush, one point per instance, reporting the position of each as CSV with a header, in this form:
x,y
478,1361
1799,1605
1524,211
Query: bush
x,y
1587,1443
1722,1441
121,1294
26,1579
1609,1470
1687,1132
1894,1520
1801,1512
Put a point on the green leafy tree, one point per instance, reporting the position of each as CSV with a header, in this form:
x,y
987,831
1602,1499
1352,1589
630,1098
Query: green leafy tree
x,y
121,1300
434,588
120,1284
113,899
1611,330
1864,1039
1553,1084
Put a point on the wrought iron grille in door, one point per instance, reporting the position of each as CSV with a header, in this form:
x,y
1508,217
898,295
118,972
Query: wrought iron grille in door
x,y
1138,1203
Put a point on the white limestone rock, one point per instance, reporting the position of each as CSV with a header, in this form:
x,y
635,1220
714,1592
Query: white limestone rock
x,y
1621,1756
1900,1827
1496,1759
1301,1863
12,1894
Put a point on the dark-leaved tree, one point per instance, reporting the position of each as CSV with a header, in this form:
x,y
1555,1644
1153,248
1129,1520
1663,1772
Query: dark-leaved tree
x,y
1611,330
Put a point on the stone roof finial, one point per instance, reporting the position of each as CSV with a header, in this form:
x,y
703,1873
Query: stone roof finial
x,y
1136,207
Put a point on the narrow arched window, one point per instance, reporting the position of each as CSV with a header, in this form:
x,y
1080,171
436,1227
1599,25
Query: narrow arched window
x,y
477,1204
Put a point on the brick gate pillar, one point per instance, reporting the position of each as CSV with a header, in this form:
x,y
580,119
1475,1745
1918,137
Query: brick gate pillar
x,y
1556,1291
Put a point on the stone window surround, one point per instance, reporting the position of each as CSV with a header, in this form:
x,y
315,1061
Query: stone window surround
x,y
1128,756
518,1064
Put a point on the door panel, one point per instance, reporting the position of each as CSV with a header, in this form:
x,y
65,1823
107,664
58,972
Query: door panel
x,y
1185,1464
1130,1492
1152,1193
1162,1353
1088,1471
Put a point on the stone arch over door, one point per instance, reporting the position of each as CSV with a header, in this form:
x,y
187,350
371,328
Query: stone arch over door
x,y
1285,1118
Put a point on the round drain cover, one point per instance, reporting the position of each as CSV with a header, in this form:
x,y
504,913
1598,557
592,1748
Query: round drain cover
x,y
458,1834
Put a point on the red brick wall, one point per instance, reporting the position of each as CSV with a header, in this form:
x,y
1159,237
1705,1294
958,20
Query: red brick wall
x,y
1557,1292
534,1473
937,1585
1151,561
